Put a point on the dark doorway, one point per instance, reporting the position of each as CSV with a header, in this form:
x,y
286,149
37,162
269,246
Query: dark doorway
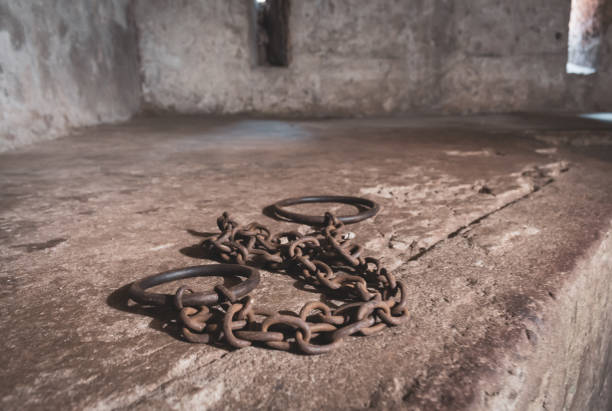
x,y
272,33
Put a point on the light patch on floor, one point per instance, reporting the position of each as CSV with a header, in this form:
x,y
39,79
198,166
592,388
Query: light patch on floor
x,y
551,150
510,237
203,399
161,247
485,153
182,365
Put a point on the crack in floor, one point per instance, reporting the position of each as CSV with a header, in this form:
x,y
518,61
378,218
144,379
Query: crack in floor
x,y
478,220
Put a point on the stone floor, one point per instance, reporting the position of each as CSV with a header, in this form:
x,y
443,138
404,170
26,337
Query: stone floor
x,y
500,225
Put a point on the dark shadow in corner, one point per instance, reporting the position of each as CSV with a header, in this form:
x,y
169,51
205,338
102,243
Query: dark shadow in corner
x,y
162,318
202,234
268,211
197,251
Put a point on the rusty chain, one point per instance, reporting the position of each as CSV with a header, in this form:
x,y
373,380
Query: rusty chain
x,y
327,258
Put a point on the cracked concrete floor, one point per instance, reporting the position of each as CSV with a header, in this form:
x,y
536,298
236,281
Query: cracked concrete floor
x,y
499,224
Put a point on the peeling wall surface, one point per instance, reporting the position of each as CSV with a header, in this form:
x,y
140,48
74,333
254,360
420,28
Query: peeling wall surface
x,y
63,64
365,58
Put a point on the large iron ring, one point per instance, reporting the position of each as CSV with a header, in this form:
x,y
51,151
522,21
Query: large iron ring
x,y
137,289
368,208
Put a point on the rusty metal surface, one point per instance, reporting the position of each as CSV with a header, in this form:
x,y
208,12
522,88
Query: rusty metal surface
x,y
138,293
326,258
367,208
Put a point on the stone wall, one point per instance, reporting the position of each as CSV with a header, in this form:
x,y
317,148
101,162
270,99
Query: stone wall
x,y
64,63
366,58
73,63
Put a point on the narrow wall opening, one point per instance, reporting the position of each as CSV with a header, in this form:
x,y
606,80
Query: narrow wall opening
x,y
272,32
585,31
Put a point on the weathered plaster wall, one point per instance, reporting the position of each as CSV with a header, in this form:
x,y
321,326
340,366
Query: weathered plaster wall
x,y
511,56
360,58
62,64
72,63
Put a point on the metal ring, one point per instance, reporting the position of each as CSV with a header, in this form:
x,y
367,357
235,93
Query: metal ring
x,y
137,289
368,209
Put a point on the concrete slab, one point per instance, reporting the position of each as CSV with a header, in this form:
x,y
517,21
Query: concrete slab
x,y
503,238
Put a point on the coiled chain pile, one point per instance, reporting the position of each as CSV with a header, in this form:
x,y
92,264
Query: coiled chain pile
x,y
327,258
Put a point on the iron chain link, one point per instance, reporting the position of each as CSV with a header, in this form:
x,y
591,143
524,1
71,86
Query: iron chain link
x,y
326,258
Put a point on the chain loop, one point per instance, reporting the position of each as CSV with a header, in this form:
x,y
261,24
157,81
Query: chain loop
x,y
326,258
